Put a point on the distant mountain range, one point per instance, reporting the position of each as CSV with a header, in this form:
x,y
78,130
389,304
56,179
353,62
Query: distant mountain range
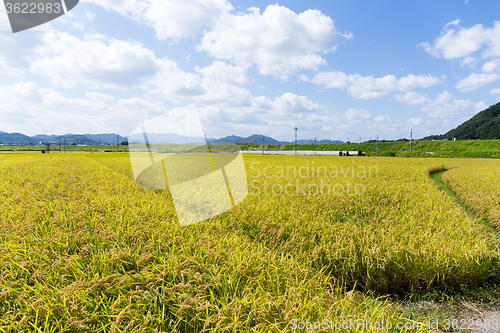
x,y
86,139
257,138
153,138
485,126
157,138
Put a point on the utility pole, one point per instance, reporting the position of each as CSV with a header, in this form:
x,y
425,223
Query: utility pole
x,y
377,144
314,145
262,145
59,144
411,138
186,144
117,143
295,129
100,147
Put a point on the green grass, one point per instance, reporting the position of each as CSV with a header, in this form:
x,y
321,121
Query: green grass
x,y
464,148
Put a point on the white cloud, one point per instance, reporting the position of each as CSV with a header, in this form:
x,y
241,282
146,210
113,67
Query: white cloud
x,y
344,126
99,63
366,87
278,41
264,115
491,66
89,15
19,92
97,96
470,61
39,110
355,116
222,72
412,98
16,52
475,81
293,104
414,121
170,18
95,62
445,106
382,119
496,91
456,41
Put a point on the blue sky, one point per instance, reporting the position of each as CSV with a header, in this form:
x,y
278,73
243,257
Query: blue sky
x,y
336,69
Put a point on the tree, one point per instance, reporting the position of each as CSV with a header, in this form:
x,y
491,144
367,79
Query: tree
x,y
124,143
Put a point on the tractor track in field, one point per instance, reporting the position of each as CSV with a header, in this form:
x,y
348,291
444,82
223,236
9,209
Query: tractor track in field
x,y
480,317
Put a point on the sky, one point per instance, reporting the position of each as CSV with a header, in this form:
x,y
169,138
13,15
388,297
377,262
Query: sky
x,y
339,70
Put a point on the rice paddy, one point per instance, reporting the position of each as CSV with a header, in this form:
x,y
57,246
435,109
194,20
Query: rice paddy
x,y
319,239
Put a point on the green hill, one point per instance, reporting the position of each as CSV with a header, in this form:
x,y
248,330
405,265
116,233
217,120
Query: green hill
x,y
485,126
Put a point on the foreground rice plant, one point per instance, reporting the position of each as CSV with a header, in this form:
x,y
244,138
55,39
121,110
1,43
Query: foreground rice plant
x,y
389,238
478,186
82,248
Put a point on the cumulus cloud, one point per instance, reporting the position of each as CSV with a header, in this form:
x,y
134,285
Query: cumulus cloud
x,y
265,115
414,121
19,92
468,61
446,106
475,81
170,18
95,62
294,104
355,116
496,91
39,109
491,66
17,53
278,41
412,98
443,106
222,72
456,41
491,73
367,87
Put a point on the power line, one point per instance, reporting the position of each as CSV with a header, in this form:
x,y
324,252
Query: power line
x,y
296,129
411,138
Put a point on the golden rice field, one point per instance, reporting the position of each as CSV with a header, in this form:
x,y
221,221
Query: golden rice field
x,y
478,186
83,249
